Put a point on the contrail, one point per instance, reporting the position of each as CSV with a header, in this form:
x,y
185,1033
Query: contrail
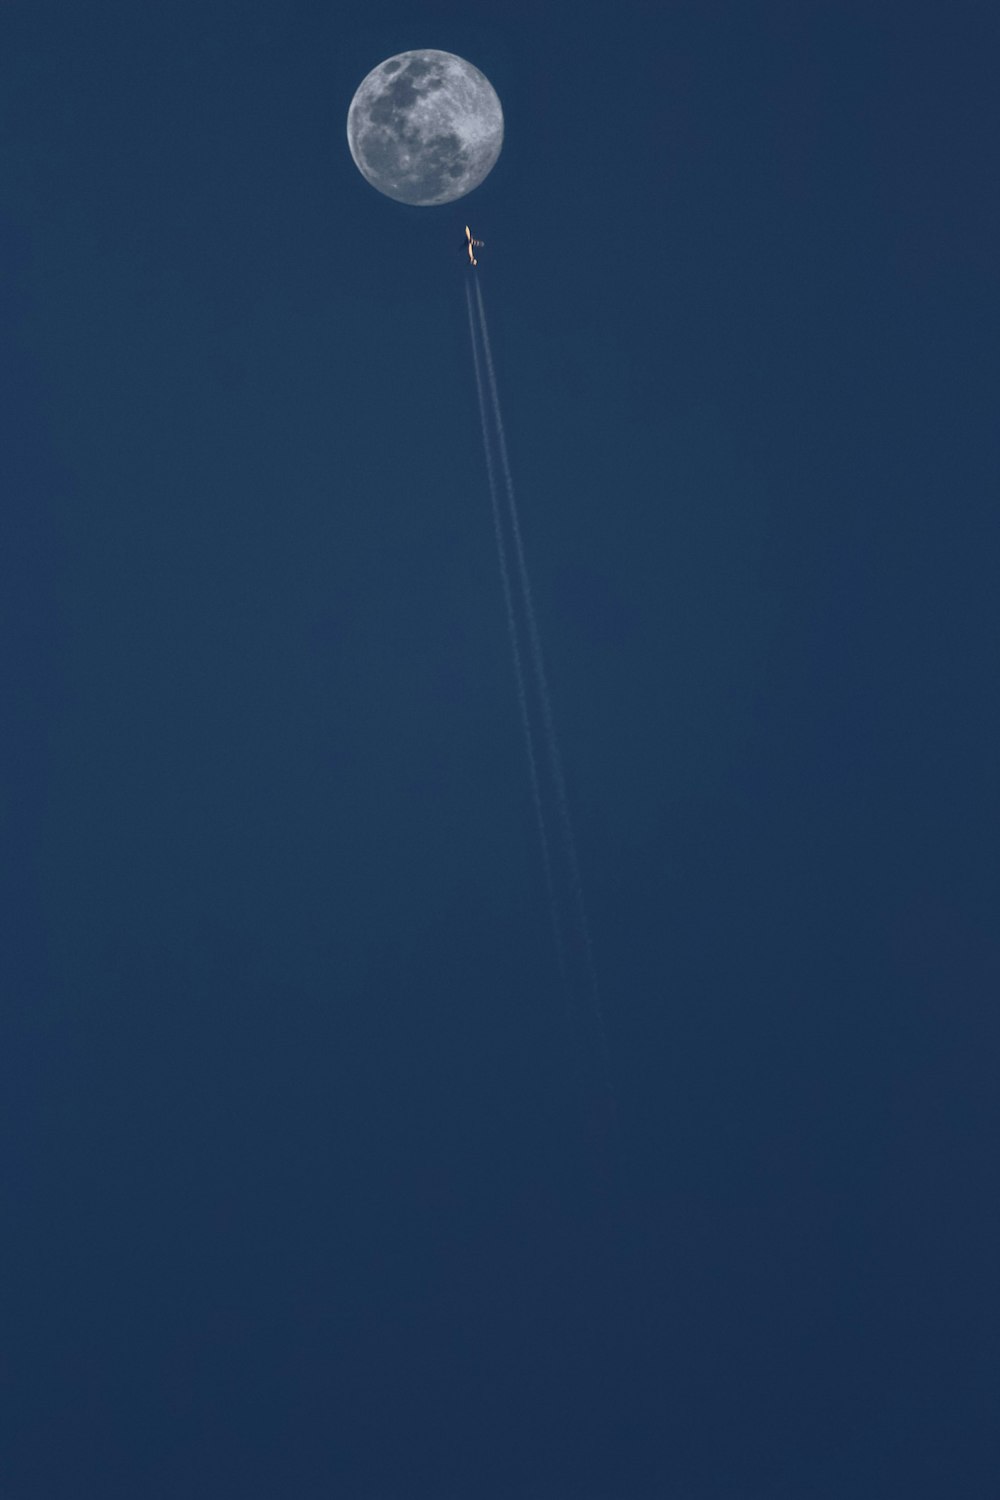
x,y
515,650
545,701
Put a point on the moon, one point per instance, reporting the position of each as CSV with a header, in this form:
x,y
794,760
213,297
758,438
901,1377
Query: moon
x,y
425,127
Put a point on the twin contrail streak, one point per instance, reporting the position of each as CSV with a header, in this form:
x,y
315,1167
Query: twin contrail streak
x,y
515,647
577,921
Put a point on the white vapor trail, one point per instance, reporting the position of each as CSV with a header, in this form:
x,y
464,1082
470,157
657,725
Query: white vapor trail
x,y
515,650
545,703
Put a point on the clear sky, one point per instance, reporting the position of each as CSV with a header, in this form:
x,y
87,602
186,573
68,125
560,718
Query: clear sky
x,y
296,1196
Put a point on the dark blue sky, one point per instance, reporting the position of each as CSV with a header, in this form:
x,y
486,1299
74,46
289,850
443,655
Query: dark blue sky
x,y
298,1201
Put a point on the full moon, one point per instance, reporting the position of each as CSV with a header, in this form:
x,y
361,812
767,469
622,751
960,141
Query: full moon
x,y
425,127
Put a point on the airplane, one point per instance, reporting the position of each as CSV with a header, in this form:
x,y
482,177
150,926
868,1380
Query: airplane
x,y
471,245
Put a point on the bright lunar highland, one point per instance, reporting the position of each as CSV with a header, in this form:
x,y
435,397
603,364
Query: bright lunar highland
x,y
425,127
